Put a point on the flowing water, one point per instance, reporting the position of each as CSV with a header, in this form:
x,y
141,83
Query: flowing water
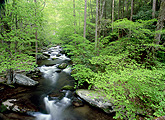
x,y
53,103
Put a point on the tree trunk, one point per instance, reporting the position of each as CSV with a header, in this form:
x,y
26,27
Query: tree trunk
x,y
85,15
119,9
131,10
91,9
123,9
105,9
161,21
36,43
102,11
126,8
96,37
153,8
74,14
113,2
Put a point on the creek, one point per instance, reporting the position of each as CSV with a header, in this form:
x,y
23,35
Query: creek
x,y
53,103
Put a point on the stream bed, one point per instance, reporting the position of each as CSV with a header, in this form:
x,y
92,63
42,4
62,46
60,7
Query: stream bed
x,y
53,103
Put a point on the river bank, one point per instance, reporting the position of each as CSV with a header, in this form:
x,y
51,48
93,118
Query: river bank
x,y
46,101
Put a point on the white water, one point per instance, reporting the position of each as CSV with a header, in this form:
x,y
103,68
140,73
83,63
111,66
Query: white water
x,y
55,109
50,72
61,57
67,70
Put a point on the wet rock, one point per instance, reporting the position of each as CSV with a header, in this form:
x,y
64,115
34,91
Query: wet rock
x,y
42,57
24,80
58,70
67,87
50,64
2,117
54,58
52,96
62,66
77,102
20,106
34,73
47,53
15,116
11,106
95,99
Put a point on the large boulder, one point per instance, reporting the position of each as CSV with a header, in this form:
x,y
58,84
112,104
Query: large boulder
x,y
95,99
24,80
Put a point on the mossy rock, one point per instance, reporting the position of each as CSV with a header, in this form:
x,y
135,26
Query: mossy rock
x,y
68,87
54,58
62,66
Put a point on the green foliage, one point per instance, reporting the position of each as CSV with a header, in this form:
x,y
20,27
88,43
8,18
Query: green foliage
x,y
129,70
19,22
144,13
80,49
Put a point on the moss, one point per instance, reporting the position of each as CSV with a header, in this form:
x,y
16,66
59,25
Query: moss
x,y
62,66
68,87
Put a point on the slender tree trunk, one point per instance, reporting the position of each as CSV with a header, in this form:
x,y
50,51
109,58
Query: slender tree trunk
x,y
85,15
153,8
36,43
99,21
161,21
123,9
74,14
126,8
130,32
119,9
91,9
9,70
131,10
119,17
105,10
113,2
102,11
96,37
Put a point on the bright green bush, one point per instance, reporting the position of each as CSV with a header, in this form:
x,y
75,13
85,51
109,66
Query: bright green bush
x,y
129,70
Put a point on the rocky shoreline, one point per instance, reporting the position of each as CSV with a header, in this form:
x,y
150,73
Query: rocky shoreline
x,y
19,96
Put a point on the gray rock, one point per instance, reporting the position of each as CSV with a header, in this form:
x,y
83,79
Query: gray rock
x,y
41,57
95,99
16,106
11,106
24,80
